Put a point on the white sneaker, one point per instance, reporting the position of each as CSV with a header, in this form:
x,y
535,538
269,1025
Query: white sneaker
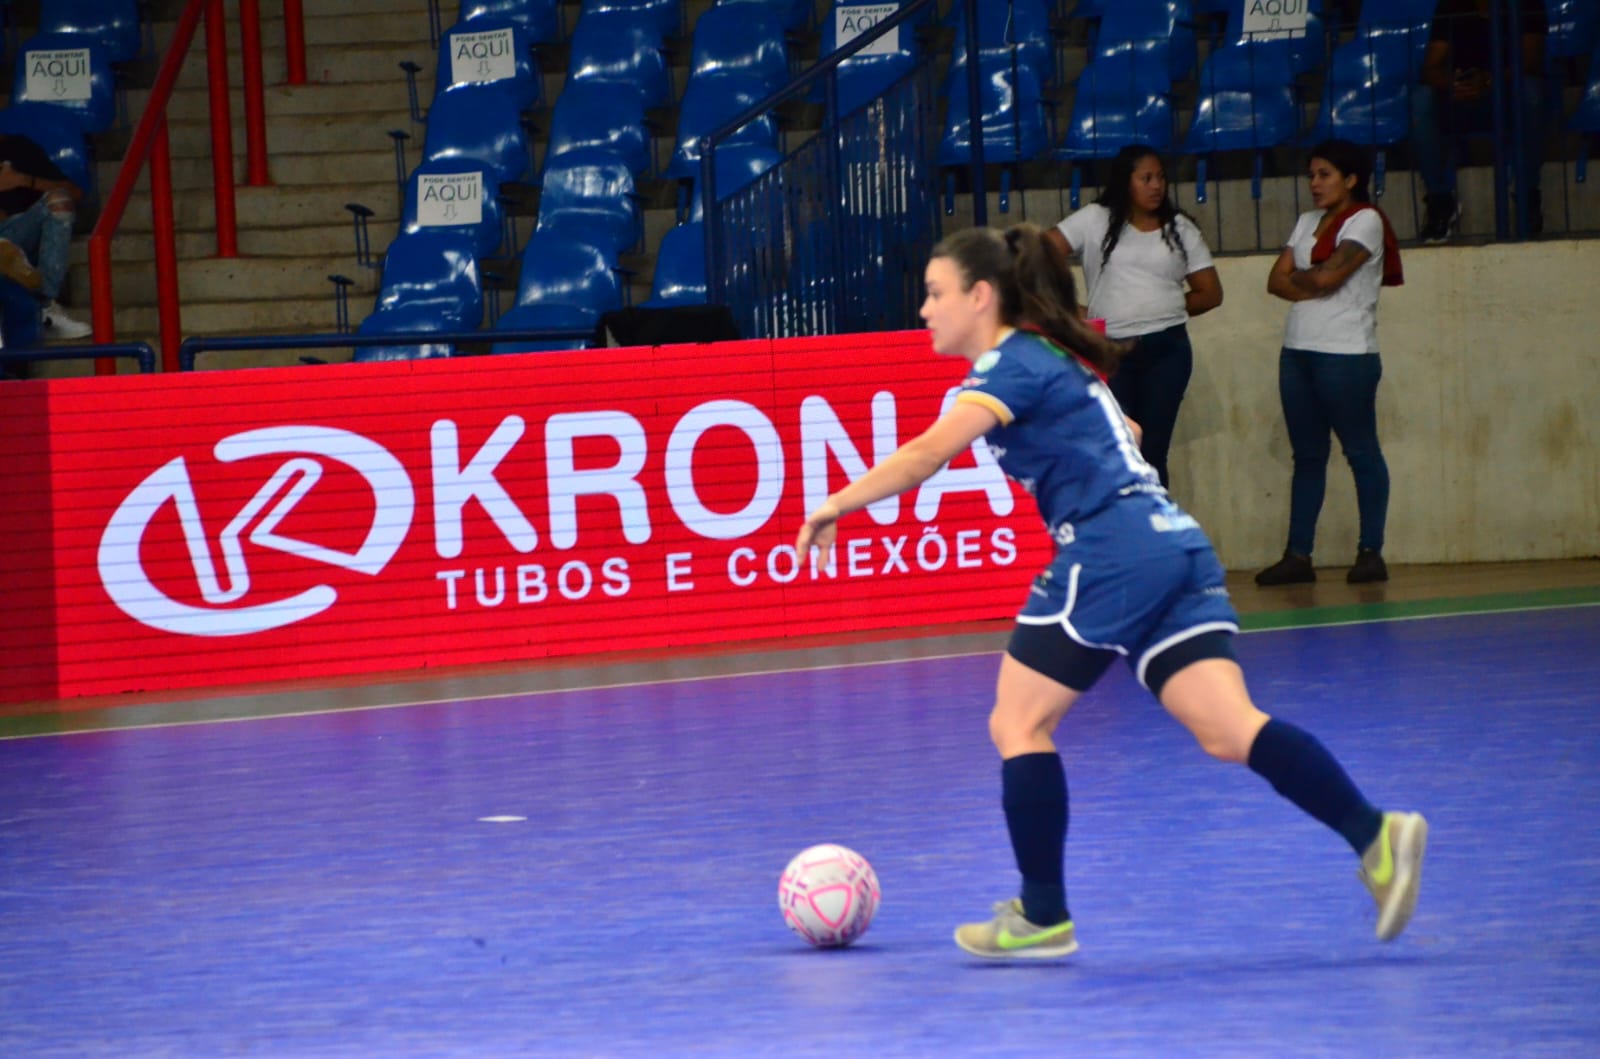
x,y
57,324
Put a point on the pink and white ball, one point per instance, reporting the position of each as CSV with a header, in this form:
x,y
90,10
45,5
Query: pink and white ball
x,y
828,895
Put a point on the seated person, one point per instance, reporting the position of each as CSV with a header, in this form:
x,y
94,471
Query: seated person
x,y
1456,96
38,205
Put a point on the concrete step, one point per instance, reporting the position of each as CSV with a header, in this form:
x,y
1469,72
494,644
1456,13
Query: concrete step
x,y
310,241
324,240
321,28
300,133
193,103
286,170
267,316
268,207
213,280
326,64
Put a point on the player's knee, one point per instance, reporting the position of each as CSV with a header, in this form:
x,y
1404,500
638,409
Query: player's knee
x,y
1228,744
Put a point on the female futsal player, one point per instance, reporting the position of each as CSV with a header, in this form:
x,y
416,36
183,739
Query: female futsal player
x,y
1133,576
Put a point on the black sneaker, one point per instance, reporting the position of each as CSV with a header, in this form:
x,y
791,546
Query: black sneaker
x,y
1443,216
1292,569
1369,567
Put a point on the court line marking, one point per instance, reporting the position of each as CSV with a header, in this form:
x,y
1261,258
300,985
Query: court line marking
x,y
111,726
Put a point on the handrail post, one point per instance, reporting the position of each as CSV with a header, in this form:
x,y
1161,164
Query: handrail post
x,y
102,313
294,41
221,130
255,117
166,246
980,184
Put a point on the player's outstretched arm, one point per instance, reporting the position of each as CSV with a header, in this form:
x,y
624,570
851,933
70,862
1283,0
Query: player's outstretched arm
x,y
906,468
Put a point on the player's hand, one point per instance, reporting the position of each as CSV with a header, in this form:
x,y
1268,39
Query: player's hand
x,y
818,531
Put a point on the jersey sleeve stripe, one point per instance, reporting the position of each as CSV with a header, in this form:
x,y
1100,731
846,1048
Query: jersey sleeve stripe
x,y
989,401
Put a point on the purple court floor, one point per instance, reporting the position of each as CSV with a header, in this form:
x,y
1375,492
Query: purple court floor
x,y
594,872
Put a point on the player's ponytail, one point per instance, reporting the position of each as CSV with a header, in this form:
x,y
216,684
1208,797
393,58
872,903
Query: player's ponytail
x,y
1035,285
1047,299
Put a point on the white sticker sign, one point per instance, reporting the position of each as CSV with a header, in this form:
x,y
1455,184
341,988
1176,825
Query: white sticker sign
x,y
446,199
487,56
852,20
58,75
1267,19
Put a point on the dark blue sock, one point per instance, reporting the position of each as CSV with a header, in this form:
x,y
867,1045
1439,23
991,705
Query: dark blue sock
x,y
1303,771
1035,798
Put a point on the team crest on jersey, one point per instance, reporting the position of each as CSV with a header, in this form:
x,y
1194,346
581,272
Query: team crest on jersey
x,y
987,361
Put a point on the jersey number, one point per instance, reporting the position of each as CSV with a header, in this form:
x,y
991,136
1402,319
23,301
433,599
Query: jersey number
x,y
1119,429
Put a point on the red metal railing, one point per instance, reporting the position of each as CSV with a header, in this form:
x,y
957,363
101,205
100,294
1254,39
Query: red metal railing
x,y
149,143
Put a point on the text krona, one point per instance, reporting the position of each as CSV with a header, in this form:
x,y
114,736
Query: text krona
x,y
458,481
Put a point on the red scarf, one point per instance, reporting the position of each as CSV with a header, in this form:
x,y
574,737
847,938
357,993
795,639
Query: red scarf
x,y
1393,274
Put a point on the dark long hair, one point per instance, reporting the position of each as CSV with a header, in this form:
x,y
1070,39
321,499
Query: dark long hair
x,y
1350,159
1116,198
1034,281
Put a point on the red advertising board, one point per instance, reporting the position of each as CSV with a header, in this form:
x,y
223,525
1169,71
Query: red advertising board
x,y
234,527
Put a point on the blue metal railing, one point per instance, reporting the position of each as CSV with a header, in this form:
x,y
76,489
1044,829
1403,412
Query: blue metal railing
x,y
192,348
142,352
832,239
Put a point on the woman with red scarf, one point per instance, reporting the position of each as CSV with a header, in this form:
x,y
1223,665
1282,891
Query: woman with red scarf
x,y
1335,262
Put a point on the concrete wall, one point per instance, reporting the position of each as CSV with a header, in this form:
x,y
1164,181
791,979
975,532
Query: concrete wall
x,y
1489,412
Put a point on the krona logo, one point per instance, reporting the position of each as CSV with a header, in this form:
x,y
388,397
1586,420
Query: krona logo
x,y
130,587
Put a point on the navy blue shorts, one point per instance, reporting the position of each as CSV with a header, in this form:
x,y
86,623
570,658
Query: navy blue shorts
x,y
1156,611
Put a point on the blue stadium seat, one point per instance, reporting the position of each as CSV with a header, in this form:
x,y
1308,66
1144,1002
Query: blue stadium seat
x,y
1572,27
665,16
544,318
1013,120
457,191
1013,116
20,325
1367,94
1585,119
1163,29
540,18
71,71
59,132
615,47
864,77
744,40
791,14
680,277
430,283
564,284
479,122
589,196
1366,97
115,23
708,103
603,115
737,166
490,50
1247,103
1023,25
1120,99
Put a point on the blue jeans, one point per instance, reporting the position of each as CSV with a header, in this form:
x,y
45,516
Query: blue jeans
x,y
1335,392
46,237
1436,121
1149,385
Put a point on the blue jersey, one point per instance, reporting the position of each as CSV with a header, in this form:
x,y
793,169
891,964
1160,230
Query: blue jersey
x,y
1063,438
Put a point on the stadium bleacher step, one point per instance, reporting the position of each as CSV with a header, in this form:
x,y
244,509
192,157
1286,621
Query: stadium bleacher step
x,y
285,169
268,207
211,280
296,241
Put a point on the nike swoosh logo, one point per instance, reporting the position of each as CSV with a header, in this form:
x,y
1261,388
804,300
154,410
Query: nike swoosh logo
x,y
1010,942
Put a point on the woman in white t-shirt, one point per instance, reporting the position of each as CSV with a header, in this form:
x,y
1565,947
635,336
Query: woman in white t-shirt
x,y
1337,259
1148,270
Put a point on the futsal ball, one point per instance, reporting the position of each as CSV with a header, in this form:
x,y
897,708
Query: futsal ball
x,y
828,895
